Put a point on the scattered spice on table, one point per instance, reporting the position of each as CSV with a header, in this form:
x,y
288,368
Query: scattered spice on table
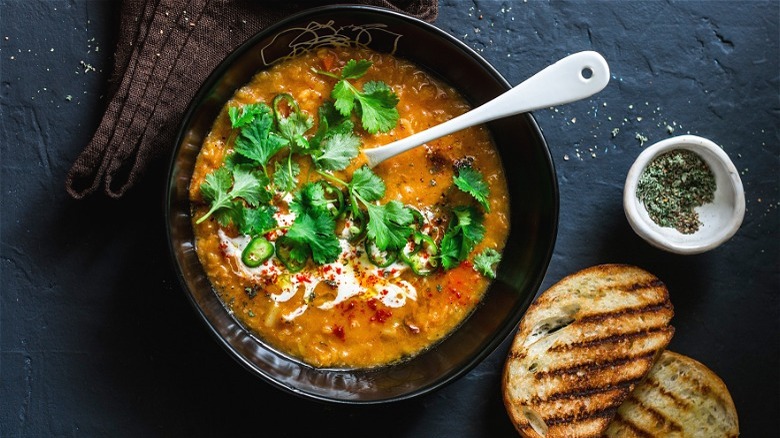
x,y
672,186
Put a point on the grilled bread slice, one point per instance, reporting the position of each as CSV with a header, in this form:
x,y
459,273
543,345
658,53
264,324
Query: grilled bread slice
x,y
582,347
679,398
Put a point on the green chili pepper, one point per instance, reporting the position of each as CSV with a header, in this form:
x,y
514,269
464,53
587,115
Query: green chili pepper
x,y
420,264
427,242
358,229
290,102
257,252
284,248
378,257
419,219
334,196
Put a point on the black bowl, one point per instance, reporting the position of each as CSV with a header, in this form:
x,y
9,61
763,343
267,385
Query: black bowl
x,y
528,167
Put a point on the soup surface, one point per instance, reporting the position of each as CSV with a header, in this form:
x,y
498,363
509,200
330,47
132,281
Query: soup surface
x,y
347,267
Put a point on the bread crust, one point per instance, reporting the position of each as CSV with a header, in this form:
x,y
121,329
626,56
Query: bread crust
x,y
582,347
680,397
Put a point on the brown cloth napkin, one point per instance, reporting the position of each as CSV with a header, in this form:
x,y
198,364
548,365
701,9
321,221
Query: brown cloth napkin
x,y
165,51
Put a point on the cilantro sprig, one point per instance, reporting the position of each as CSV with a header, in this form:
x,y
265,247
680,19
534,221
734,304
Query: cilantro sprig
x,y
310,199
317,233
256,221
472,182
224,186
375,104
245,114
258,141
366,186
389,225
294,125
484,262
285,177
466,229
337,151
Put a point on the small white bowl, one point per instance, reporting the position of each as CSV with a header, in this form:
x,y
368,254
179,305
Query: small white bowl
x,y
720,219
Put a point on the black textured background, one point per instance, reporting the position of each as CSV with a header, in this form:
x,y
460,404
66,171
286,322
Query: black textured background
x,y
97,339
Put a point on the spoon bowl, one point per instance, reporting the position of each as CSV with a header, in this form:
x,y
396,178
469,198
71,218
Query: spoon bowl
x,y
574,77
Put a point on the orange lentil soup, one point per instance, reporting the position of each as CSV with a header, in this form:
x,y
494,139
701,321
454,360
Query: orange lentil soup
x,y
350,312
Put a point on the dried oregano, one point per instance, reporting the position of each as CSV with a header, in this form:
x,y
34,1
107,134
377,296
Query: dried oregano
x,y
672,185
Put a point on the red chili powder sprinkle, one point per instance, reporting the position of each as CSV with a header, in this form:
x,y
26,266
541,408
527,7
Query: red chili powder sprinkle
x,y
381,315
347,306
339,332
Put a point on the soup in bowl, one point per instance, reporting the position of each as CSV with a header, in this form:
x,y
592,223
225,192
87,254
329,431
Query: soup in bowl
x,y
332,279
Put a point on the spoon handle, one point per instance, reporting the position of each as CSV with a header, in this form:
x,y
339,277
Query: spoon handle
x,y
572,78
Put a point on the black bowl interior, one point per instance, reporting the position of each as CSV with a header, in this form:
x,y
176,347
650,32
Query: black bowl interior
x,y
527,164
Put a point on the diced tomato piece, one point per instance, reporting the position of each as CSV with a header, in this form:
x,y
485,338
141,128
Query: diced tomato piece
x,y
328,61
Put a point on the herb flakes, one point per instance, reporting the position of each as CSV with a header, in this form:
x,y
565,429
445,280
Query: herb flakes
x,y
672,185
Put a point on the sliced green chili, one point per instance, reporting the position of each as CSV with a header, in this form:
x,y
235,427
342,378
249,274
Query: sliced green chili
x,y
290,102
422,265
257,252
284,248
421,262
358,227
419,219
378,257
334,196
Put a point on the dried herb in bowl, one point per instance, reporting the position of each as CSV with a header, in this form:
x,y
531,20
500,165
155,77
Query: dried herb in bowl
x,y
672,186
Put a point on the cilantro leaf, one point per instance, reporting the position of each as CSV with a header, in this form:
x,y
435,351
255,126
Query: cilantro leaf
x,y
335,144
226,216
377,110
337,151
258,142
216,186
310,200
375,105
318,233
471,181
470,223
367,185
243,115
355,69
464,232
248,185
389,225
344,95
223,186
484,261
256,221
285,177
233,160
294,126
450,249
330,122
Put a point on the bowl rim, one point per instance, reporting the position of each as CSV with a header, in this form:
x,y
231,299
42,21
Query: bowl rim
x,y
648,230
496,339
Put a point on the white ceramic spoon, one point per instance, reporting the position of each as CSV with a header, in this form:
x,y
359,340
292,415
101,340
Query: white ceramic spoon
x,y
572,78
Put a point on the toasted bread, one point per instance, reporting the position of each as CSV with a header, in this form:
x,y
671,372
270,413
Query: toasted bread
x,y
679,398
582,347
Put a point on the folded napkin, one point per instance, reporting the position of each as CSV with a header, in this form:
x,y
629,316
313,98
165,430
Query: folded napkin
x,y
166,49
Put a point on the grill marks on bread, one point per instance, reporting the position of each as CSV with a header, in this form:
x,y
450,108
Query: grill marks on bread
x,y
680,397
574,377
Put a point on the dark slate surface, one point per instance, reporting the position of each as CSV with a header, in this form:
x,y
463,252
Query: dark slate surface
x,y
97,339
